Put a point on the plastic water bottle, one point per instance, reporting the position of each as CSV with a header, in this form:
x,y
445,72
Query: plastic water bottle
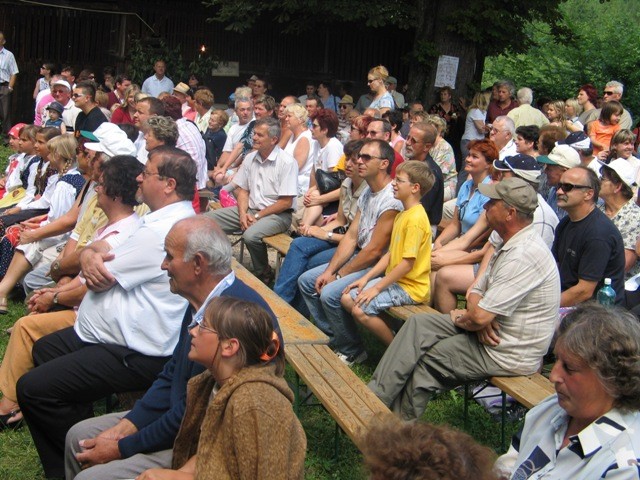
x,y
606,295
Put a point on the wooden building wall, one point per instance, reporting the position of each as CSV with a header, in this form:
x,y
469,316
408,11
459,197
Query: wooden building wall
x,y
79,37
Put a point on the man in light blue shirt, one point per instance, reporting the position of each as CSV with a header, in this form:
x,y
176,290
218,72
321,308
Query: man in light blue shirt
x,y
8,75
158,83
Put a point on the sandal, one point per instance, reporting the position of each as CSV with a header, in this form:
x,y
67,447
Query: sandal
x,y
4,306
4,421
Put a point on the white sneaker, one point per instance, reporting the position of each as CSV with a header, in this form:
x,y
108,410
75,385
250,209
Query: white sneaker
x,y
351,359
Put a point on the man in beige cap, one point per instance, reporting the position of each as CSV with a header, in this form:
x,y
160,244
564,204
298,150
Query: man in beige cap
x,y
344,107
506,328
181,92
561,159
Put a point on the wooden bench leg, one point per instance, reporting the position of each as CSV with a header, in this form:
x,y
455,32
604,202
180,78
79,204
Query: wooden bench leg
x,y
465,414
336,442
278,263
503,420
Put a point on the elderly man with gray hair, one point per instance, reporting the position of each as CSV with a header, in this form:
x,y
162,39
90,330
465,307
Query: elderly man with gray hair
x,y
503,134
267,187
124,444
525,114
613,90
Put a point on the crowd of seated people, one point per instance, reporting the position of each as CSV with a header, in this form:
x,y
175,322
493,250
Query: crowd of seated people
x,y
494,217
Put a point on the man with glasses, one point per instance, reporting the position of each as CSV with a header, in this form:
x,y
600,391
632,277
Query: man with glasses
x,y
124,444
128,322
503,134
561,159
90,116
381,129
420,141
505,329
61,92
588,247
366,240
613,90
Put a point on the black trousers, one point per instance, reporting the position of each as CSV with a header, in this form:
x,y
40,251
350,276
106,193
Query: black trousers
x,y
69,375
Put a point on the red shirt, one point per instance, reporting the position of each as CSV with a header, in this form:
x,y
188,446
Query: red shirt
x,y
494,111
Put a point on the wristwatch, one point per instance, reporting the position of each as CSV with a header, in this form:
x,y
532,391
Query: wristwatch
x,y
55,266
329,235
338,276
257,216
55,298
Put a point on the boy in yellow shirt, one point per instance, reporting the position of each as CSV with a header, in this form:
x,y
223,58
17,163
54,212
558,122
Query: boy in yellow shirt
x,y
407,264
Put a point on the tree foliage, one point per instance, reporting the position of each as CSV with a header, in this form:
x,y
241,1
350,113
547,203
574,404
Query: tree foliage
x,y
606,47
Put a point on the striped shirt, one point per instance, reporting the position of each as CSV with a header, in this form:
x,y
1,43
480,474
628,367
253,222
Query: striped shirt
x,y
8,65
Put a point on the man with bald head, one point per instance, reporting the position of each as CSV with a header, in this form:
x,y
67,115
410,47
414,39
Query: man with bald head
x,y
588,247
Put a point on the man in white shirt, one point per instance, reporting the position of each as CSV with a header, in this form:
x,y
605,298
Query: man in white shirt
x,y
267,190
127,325
8,76
158,83
503,134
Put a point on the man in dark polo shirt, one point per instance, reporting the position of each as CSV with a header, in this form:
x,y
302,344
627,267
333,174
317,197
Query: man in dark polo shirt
x,y
588,247
90,116
505,102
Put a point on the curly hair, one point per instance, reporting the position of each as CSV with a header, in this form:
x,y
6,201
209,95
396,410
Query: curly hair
x,y
591,92
607,339
486,147
164,129
119,178
396,450
438,122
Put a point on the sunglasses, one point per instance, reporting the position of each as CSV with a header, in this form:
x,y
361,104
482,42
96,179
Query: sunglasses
x,y
567,187
607,93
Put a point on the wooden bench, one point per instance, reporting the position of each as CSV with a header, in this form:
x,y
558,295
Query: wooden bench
x,y
296,329
341,392
337,388
280,243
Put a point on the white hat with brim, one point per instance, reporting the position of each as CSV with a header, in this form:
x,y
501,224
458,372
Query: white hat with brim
x,y
112,141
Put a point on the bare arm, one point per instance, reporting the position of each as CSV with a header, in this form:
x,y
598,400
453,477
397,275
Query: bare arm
x,y
580,292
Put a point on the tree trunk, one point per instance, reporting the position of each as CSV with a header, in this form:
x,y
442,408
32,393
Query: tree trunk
x,y
433,39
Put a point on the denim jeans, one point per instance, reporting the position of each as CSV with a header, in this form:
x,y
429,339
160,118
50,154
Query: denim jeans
x,y
327,311
304,254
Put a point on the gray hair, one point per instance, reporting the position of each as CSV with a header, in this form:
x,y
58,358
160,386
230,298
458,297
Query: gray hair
x,y
509,124
508,84
525,95
273,126
617,86
164,129
205,237
243,100
607,339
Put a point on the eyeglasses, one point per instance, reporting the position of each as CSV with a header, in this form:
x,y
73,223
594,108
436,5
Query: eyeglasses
x,y
342,106
77,95
371,81
607,93
202,328
373,133
146,173
315,125
366,157
567,187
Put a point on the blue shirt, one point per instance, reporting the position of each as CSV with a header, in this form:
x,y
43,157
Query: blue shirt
x,y
469,209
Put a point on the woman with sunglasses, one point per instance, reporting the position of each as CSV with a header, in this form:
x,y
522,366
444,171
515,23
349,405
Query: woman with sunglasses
x,y
239,421
382,99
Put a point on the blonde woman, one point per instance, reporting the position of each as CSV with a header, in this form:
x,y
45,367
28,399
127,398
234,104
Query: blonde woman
x,y
572,110
475,127
124,113
382,99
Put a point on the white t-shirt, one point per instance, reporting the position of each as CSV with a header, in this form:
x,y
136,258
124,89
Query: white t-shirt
x,y
329,155
470,130
371,206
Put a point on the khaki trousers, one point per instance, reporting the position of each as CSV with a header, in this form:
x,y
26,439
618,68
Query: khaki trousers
x,y
17,358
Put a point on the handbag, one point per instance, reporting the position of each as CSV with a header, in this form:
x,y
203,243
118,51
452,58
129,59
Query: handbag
x,y
329,181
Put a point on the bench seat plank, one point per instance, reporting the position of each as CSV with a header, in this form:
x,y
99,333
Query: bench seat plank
x,y
527,390
279,242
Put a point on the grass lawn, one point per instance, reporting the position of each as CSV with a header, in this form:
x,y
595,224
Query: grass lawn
x,y
19,460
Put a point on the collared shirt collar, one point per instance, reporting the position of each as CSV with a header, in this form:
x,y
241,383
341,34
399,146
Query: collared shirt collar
x,y
272,156
218,289
162,212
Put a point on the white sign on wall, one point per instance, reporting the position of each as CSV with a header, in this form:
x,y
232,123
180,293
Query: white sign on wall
x,y
226,69
447,71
